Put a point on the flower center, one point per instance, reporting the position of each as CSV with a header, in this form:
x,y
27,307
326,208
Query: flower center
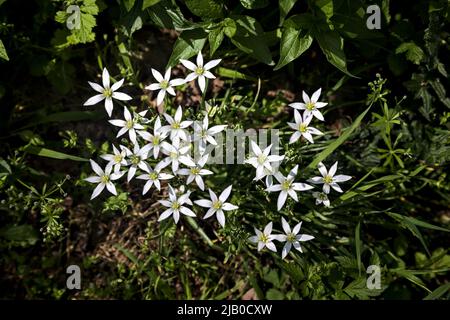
x,y
195,170
176,205
135,159
322,196
107,93
104,179
164,84
264,238
290,237
118,158
155,140
302,128
203,133
261,159
173,155
176,125
328,179
153,176
310,105
129,124
199,70
217,205
286,185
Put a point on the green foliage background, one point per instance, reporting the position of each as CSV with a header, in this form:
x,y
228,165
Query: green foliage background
x,y
386,123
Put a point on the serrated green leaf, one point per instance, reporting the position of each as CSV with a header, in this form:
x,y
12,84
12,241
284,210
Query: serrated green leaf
x,y
188,44
412,51
293,43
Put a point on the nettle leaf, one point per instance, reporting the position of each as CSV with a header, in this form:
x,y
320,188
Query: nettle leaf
x,y
3,53
79,34
206,9
326,7
332,46
229,27
293,43
188,44
168,16
254,4
412,51
250,38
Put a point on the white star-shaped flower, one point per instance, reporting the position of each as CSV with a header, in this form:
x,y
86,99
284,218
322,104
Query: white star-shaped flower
x,y
264,239
262,160
176,127
217,205
287,186
203,134
153,177
164,85
175,206
311,106
107,93
321,198
292,238
103,178
154,139
329,179
176,155
136,159
302,128
196,172
117,159
200,71
130,124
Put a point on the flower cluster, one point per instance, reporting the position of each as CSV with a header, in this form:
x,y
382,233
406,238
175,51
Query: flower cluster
x,y
268,165
291,237
163,151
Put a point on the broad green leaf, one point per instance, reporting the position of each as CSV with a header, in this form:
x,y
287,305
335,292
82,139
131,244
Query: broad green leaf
x,y
254,4
332,46
149,3
336,143
439,292
3,53
229,27
274,294
233,74
326,6
250,38
285,6
215,38
292,45
206,9
188,44
168,16
44,152
128,4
